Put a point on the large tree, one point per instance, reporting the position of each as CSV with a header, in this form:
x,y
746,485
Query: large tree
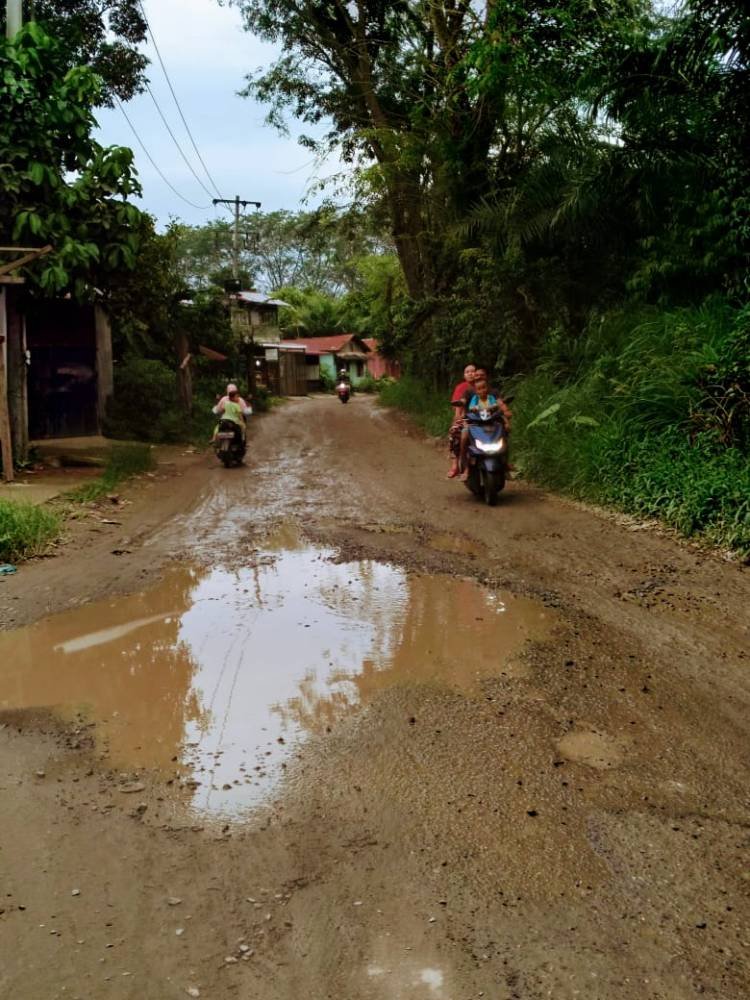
x,y
447,99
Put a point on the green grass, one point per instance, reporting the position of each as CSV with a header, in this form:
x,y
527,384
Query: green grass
x,y
647,412
124,461
25,530
429,408
628,422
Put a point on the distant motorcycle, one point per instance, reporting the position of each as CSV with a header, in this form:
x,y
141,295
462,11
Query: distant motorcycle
x,y
229,444
487,455
344,391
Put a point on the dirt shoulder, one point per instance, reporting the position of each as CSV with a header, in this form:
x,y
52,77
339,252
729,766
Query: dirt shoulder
x,y
575,829
104,548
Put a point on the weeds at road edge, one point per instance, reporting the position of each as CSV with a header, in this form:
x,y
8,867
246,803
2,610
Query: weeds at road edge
x,y
123,462
25,530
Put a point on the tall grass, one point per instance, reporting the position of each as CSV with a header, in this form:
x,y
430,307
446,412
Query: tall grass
x,y
648,412
25,530
428,407
624,420
124,461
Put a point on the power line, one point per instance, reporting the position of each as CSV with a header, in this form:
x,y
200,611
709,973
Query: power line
x,y
179,147
177,103
154,164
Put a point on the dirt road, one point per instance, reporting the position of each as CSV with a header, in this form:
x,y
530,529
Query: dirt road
x,y
325,727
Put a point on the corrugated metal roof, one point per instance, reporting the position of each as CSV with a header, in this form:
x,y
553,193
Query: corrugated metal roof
x,y
258,299
282,345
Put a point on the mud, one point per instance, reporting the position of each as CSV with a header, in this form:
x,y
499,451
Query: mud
x,y
549,800
215,676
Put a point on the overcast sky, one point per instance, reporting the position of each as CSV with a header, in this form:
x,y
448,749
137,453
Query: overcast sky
x,y
207,55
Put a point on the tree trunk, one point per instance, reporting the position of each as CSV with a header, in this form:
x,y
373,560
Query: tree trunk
x,y
105,379
17,368
5,441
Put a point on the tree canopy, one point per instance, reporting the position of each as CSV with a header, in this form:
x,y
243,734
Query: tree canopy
x,y
537,161
60,186
102,34
307,249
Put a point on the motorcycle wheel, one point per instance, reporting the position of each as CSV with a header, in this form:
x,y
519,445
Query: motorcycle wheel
x,y
474,482
344,399
492,482
226,459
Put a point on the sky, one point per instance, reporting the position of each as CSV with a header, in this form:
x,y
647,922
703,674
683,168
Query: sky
x,y
207,54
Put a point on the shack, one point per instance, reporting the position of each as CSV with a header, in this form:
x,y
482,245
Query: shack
x,y
276,364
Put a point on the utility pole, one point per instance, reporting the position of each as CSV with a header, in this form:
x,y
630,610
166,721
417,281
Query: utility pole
x,y
237,202
13,17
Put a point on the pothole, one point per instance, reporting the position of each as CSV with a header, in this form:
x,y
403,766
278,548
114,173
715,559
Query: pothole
x,y
216,676
457,545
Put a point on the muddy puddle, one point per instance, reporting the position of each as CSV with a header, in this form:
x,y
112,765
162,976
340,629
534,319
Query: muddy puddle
x,y
216,676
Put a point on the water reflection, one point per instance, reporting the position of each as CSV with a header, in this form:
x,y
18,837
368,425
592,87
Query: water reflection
x,y
227,670
119,662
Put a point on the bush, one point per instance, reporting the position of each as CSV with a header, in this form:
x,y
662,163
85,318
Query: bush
x,y
629,422
261,402
328,381
146,407
26,531
367,384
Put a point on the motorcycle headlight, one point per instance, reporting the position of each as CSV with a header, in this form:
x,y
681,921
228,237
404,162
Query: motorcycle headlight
x,y
491,447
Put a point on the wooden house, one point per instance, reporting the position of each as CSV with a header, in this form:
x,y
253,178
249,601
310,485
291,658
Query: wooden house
x,y
55,364
326,356
276,364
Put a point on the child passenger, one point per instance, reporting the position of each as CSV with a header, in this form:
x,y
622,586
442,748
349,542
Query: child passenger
x,y
480,400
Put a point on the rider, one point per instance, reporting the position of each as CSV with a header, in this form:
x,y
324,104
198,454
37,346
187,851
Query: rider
x,y
233,407
459,410
481,400
232,389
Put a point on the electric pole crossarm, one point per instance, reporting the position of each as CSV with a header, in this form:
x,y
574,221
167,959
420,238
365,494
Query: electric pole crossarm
x,y
237,202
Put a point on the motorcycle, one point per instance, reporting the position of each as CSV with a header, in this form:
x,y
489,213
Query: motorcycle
x,y
229,444
487,455
344,391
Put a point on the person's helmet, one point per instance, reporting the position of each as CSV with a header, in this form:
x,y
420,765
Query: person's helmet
x,y
231,388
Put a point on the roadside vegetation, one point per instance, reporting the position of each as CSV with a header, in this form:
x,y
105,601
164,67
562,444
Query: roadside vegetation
x,y
26,531
649,412
123,462
427,406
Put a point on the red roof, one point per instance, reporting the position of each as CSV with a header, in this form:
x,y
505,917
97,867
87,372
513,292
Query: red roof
x,y
322,345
